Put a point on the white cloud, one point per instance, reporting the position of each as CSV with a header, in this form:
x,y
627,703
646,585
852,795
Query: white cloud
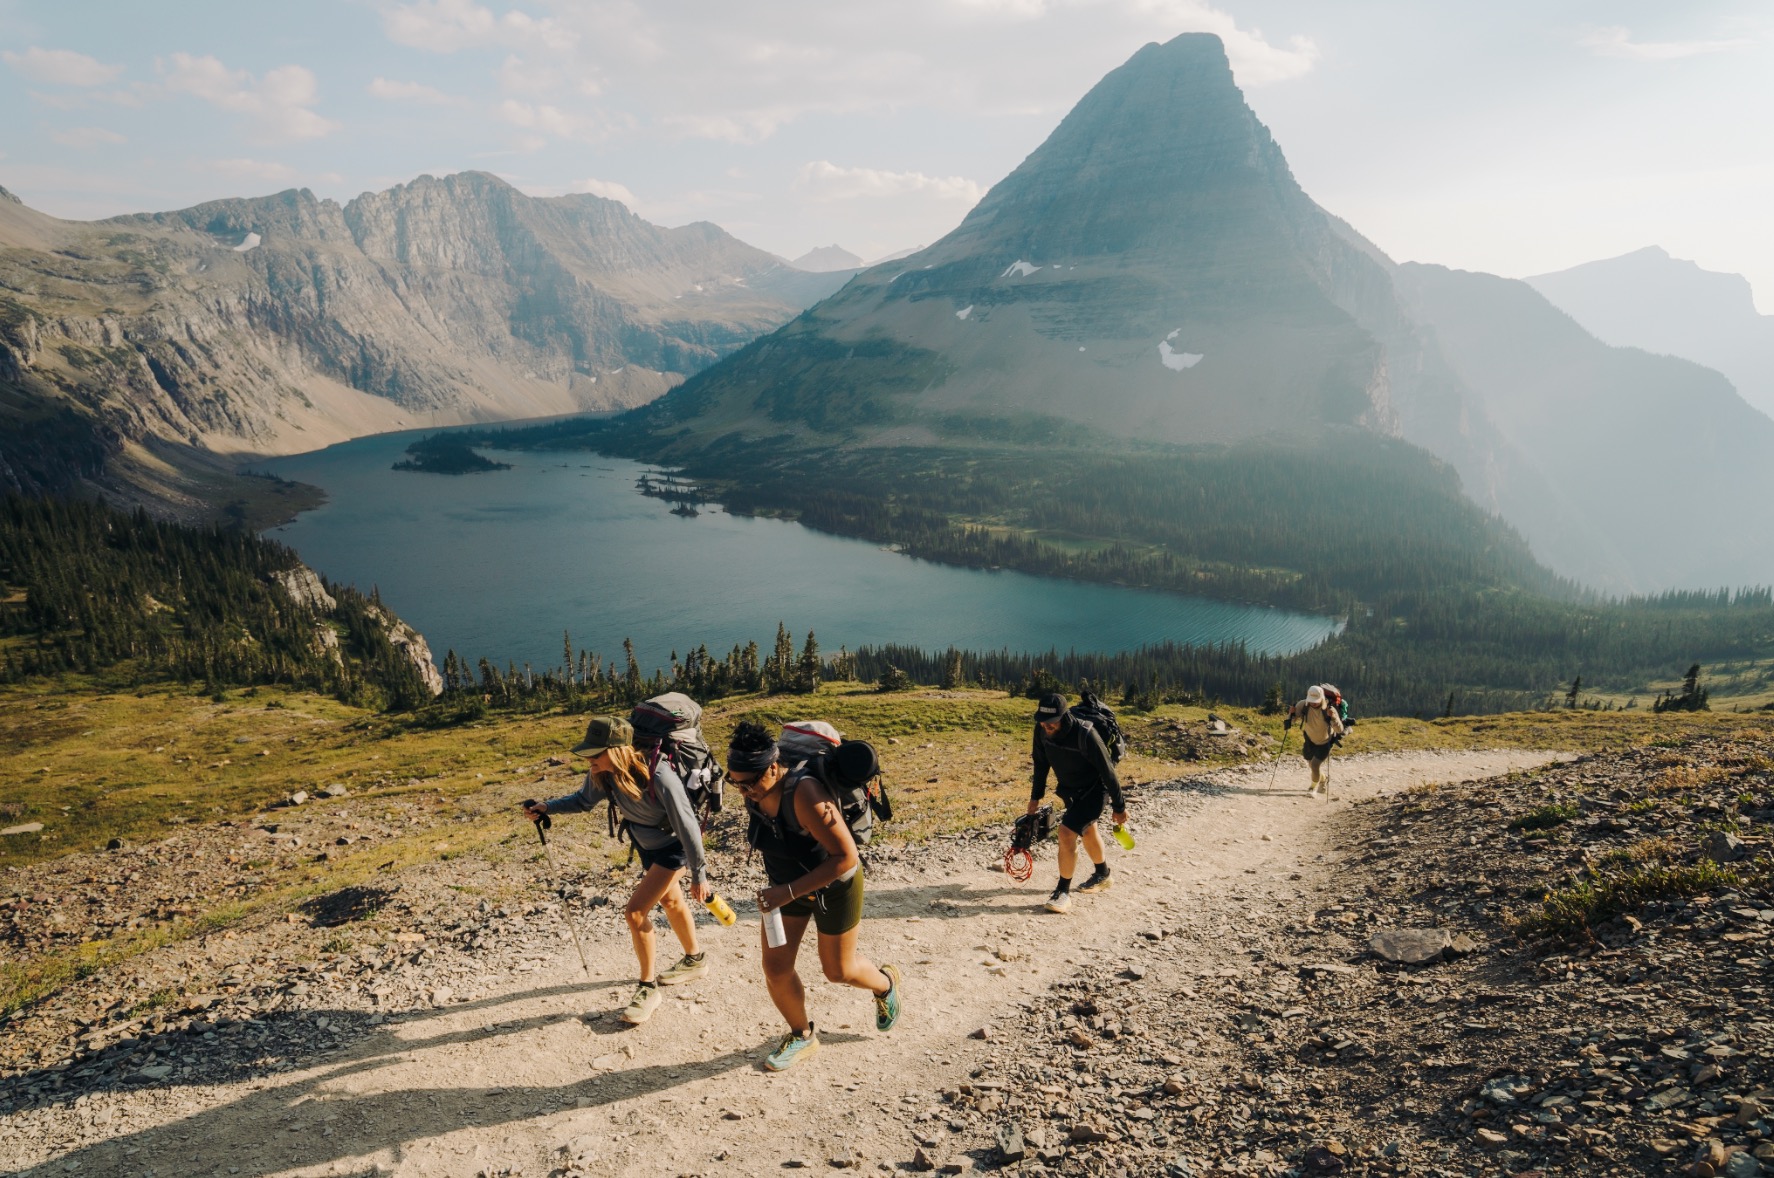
x,y
1616,41
448,26
518,75
276,104
740,73
60,67
393,91
609,190
270,172
549,120
85,137
824,180
1255,60
88,99
263,170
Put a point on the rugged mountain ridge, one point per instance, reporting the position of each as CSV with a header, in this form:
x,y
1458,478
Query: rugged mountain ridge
x,y
1647,299
288,322
1153,272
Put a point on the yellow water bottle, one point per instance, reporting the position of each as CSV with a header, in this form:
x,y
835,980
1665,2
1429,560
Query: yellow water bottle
x,y
1123,836
721,910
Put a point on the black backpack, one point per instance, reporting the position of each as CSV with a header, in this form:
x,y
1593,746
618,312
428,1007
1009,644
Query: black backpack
x,y
851,773
670,726
1096,713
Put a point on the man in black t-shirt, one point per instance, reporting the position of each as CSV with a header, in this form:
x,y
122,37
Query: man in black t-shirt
x,y
1085,779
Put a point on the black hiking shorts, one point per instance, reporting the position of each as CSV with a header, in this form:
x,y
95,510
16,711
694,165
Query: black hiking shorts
x,y
1082,810
1315,752
670,857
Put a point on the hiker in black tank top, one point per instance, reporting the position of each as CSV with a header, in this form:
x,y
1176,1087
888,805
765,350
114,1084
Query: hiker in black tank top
x,y
815,873
788,851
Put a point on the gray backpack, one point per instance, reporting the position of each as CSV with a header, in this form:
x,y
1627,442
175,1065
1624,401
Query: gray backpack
x,y
670,726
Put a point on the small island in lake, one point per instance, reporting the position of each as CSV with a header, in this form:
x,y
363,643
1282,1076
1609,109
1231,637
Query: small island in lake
x,y
443,454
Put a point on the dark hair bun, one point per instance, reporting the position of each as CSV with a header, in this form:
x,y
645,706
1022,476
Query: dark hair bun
x,y
751,737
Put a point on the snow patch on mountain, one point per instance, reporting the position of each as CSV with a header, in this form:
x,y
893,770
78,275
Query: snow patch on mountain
x,y
1176,360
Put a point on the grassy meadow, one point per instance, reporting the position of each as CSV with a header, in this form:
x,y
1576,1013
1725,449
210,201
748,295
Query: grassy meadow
x,y
93,763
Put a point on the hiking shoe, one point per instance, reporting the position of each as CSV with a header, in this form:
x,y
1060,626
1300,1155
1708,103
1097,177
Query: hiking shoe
x,y
794,1047
690,966
1060,902
646,1000
1099,881
887,1005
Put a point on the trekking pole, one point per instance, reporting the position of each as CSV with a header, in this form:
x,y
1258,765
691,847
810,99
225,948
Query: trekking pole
x,y
1275,762
542,826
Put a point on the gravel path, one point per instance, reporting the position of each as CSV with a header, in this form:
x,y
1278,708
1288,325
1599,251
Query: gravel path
x,y
521,1067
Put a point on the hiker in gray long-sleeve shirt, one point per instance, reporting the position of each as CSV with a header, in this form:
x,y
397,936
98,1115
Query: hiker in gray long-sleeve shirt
x,y
656,814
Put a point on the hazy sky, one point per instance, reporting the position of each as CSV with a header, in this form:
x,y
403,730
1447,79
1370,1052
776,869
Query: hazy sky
x,y
1510,136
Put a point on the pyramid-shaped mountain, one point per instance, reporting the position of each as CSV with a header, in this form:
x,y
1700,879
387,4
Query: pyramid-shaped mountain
x,y
1152,270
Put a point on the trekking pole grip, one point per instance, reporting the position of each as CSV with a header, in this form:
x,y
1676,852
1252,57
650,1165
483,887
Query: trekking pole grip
x,y
542,824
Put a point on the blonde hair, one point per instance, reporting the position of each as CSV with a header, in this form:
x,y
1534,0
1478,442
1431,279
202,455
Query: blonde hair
x,y
630,772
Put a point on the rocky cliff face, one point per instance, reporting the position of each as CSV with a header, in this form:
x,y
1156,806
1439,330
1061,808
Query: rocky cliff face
x,y
287,322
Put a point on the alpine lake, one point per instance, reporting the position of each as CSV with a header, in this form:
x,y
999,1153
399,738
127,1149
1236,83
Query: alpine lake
x,y
503,563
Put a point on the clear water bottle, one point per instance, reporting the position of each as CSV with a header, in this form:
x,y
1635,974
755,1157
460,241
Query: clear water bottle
x,y
1123,836
775,935
720,909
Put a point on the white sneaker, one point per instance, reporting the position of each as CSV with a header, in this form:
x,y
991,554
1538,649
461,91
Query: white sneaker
x,y
686,969
646,1001
1060,902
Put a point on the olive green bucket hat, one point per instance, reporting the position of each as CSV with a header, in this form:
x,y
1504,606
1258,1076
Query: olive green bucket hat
x,y
604,732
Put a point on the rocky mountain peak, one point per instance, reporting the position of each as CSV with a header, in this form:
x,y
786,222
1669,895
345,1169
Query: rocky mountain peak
x,y
1163,153
827,258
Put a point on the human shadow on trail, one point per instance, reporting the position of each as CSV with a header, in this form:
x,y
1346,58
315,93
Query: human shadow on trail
x,y
945,901
245,1045
331,1127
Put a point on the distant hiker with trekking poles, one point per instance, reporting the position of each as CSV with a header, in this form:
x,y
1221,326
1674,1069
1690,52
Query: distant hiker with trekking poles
x,y
1321,726
807,841
658,816
1070,745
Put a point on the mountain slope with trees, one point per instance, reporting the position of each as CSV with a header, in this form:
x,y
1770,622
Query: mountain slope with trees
x,y
87,589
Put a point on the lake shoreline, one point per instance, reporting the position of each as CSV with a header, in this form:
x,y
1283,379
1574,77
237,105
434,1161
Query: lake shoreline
x,y
566,543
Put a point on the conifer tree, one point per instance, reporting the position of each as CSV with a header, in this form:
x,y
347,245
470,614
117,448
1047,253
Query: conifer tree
x,y
807,670
951,669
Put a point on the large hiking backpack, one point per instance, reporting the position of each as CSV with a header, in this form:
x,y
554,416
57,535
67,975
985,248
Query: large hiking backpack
x,y
848,769
1096,713
1336,700
803,740
670,726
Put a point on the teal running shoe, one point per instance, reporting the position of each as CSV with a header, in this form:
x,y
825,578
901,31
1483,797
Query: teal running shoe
x,y
794,1047
887,1005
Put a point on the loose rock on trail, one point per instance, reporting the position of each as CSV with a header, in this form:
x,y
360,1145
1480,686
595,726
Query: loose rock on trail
x,y
498,1058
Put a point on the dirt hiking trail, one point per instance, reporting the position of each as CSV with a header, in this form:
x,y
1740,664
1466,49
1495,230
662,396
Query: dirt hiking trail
x,y
539,1077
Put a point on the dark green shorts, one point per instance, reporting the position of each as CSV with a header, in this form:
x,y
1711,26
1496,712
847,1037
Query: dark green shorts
x,y
835,908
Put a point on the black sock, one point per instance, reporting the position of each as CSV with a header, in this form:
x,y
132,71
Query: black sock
x,y
1065,885
1101,872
